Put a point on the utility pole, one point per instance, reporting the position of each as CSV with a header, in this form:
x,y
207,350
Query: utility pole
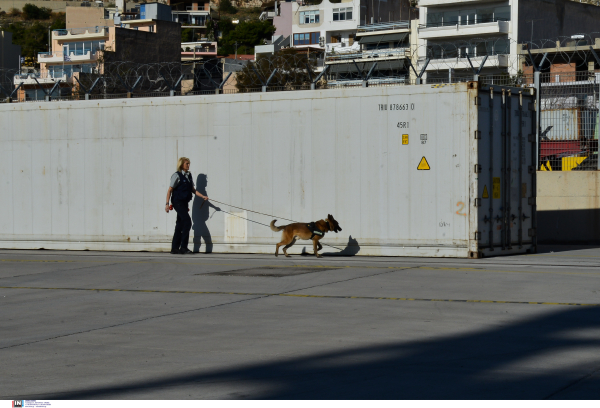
x,y
236,45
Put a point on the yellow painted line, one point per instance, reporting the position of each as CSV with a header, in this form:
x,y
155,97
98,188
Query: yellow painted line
x,y
303,296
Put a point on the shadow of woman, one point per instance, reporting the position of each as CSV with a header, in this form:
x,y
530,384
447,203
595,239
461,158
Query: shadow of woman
x,y
351,249
200,214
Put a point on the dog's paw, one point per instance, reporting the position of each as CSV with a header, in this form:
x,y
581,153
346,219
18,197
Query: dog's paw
x,y
289,256
319,256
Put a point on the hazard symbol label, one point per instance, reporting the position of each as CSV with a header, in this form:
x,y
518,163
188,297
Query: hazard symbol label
x,y
404,139
496,187
485,192
423,165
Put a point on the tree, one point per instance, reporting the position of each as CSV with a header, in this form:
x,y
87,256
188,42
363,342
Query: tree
x,y
247,34
32,39
187,35
59,22
33,12
226,7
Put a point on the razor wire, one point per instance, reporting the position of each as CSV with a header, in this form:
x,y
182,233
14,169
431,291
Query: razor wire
x,y
569,101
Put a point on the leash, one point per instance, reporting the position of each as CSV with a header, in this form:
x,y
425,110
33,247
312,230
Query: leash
x,y
256,212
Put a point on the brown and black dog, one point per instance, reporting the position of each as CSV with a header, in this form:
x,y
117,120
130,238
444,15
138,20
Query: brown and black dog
x,y
298,230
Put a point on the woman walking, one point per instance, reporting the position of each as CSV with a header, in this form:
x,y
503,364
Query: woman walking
x,y
180,193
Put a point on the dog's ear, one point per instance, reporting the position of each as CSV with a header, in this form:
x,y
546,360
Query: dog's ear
x,y
334,223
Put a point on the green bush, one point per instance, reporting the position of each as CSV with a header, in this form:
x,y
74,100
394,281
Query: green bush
x,y
33,12
247,34
225,6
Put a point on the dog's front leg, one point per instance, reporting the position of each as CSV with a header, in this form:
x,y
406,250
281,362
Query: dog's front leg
x,y
315,242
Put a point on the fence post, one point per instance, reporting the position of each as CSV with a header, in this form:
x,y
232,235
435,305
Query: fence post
x,y
365,84
87,96
129,94
217,91
264,88
171,93
538,108
8,100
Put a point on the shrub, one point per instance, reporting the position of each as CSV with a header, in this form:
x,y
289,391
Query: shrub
x,y
33,12
14,12
225,6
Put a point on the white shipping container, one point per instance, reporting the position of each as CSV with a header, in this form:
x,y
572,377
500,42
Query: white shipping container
x,y
406,170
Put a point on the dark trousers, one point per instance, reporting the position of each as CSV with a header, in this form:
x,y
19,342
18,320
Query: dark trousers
x,y
182,228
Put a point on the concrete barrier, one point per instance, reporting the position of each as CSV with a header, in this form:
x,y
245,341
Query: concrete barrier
x,y
568,205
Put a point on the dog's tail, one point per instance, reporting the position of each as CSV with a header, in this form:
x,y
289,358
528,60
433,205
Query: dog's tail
x,y
274,228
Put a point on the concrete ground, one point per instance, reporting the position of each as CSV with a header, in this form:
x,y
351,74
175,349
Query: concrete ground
x,y
105,325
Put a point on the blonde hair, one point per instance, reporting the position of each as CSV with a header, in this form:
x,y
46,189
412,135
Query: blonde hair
x,y
181,162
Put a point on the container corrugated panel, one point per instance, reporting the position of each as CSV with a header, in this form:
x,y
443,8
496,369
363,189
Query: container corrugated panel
x,y
407,171
565,123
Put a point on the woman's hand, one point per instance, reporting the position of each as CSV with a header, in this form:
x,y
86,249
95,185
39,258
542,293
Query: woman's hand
x,y
167,208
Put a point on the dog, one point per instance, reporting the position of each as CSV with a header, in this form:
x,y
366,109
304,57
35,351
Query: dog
x,y
313,231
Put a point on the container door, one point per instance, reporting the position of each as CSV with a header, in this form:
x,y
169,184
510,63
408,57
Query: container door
x,y
506,179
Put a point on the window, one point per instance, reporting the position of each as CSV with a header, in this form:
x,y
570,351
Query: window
x,y
309,17
342,14
307,38
502,13
502,46
83,47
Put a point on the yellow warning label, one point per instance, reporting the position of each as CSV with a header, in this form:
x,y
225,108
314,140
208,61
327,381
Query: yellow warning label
x,y
423,165
496,187
404,139
485,192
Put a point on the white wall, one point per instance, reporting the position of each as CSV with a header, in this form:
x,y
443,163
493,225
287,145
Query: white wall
x,y
94,174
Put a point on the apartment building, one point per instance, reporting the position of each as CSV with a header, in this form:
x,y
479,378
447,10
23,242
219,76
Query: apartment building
x,y
86,50
451,30
328,25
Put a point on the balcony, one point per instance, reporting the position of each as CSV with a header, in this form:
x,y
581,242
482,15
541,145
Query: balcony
x,y
443,64
390,26
198,49
191,19
84,33
59,56
44,77
431,3
431,31
372,55
266,15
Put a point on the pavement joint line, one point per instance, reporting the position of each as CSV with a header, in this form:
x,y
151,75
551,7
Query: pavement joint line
x,y
130,322
480,269
288,294
64,270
